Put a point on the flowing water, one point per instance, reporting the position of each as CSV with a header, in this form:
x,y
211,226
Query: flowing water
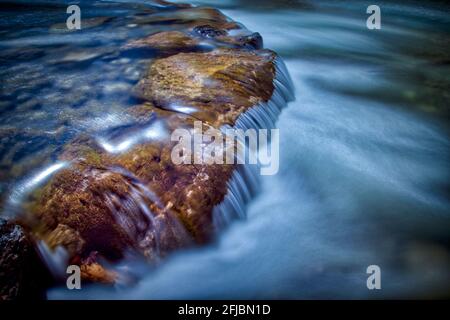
x,y
365,153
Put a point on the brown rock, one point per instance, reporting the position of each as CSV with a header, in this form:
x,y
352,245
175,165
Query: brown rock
x,y
199,38
67,237
84,198
95,272
137,200
167,42
215,86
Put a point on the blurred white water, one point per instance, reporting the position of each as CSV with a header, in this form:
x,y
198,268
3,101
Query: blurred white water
x,y
363,180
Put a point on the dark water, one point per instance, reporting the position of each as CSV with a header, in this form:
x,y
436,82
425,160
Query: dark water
x,y
364,168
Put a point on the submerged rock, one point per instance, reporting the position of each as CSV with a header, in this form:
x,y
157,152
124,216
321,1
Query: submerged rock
x,y
167,42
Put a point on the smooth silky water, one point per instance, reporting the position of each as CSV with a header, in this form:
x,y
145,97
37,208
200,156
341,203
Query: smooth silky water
x,y
364,165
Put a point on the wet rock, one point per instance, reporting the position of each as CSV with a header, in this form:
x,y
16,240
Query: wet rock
x,y
216,86
81,198
190,191
170,41
163,44
20,269
96,273
253,40
92,271
223,37
200,38
208,31
67,237
137,200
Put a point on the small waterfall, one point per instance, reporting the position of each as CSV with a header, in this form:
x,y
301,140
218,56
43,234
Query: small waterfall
x,y
147,228
242,186
56,260
135,217
154,232
244,182
264,115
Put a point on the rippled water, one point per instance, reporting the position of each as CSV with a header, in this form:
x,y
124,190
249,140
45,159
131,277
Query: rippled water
x,y
364,168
